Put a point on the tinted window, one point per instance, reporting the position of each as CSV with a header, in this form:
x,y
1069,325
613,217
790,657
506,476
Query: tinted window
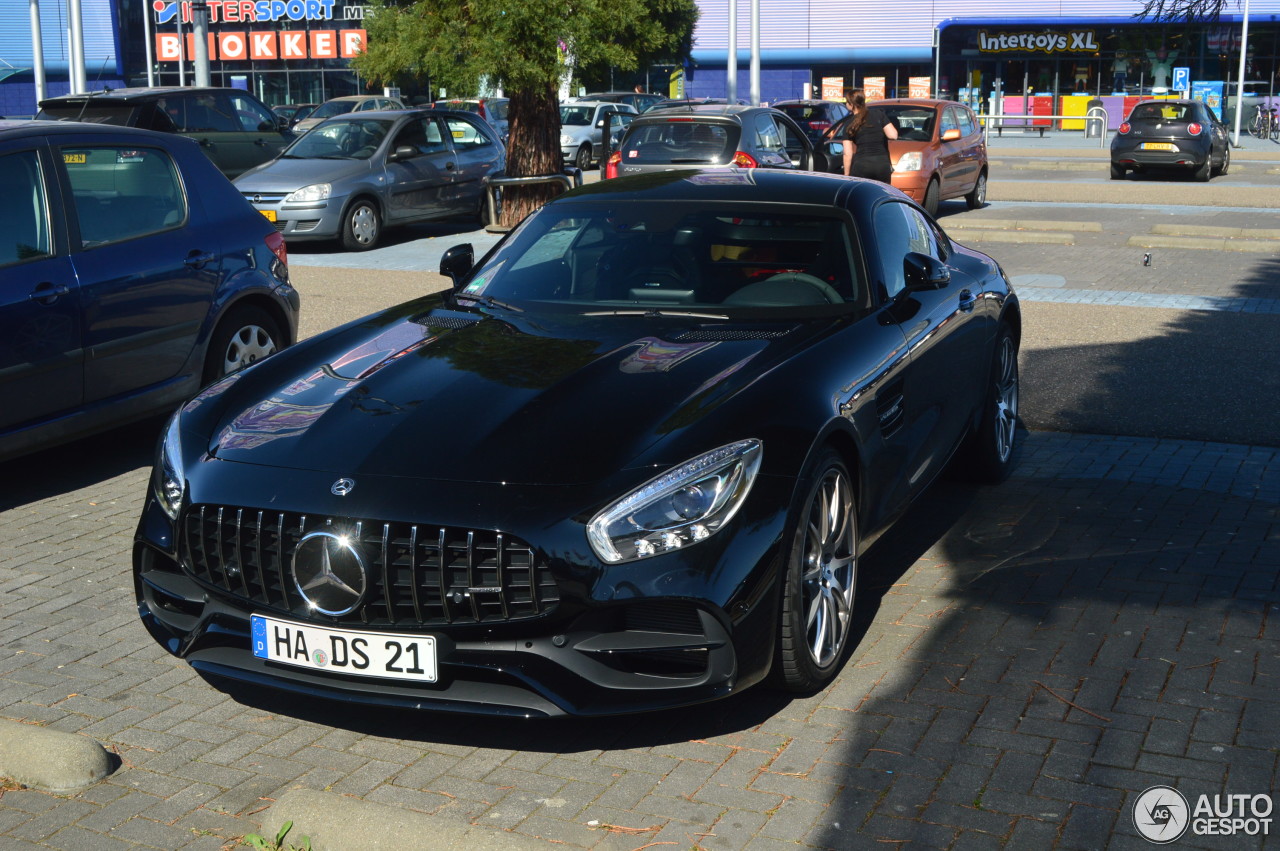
x,y
24,215
119,114
122,193
201,112
1159,112
328,109
901,229
251,114
576,116
497,109
687,142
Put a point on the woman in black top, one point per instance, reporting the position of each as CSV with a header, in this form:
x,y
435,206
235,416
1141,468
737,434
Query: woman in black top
x,y
868,133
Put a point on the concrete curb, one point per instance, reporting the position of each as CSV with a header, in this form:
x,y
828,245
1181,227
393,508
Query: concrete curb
x,y
1251,245
1030,225
334,822
966,236
50,759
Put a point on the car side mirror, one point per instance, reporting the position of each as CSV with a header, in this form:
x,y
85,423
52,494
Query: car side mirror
x,y
403,152
281,125
925,272
950,135
457,262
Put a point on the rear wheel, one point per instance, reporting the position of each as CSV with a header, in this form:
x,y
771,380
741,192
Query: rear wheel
x,y
361,226
1117,172
931,198
246,335
1203,173
989,452
583,159
978,196
1226,159
818,588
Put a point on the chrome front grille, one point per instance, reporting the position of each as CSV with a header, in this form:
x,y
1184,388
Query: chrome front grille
x,y
419,576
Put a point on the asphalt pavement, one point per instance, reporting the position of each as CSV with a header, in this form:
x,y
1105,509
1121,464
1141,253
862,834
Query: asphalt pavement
x,y
1033,656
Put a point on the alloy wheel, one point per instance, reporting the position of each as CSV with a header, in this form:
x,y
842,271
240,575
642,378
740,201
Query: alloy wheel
x,y
829,568
1006,398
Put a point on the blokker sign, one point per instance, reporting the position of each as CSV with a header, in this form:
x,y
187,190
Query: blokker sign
x,y
1046,41
284,45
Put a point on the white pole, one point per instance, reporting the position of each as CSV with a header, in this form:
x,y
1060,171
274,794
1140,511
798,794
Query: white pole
x,y
37,51
200,25
150,36
937,61
731,67
755,52
1244,48
76,73
182,51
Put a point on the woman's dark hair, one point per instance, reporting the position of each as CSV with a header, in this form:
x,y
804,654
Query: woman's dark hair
x,y
857,101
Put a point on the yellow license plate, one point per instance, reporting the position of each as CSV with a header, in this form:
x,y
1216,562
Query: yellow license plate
x,y
270,214
458,134
71,159
1159,146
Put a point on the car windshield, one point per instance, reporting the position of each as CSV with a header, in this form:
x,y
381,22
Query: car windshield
x,y
576,116
679,141
356,139
914,123
638,256
328,109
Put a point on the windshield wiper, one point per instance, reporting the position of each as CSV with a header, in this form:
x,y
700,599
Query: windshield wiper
x,y
489,301
658,311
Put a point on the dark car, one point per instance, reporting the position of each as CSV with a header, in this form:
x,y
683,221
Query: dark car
x,y
131,274
354,175
671,103
235,129
294,112
940,152
712,135
630,460
1171,135
640,100
815,117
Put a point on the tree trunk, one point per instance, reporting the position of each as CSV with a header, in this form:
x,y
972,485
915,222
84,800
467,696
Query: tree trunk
x,y
533,151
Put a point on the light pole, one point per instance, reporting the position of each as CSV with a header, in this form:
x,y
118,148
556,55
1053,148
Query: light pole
x,y
200,55
1244,49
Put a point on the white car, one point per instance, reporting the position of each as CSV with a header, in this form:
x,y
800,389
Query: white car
x,y
581,126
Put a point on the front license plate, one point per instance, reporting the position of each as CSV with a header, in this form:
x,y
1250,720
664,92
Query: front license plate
x,y
270,214
345,651
1159,146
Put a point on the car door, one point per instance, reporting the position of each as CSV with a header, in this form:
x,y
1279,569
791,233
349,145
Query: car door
x,y
951,160
258,137
944,335
799,150
416,184
41,355
766,141
477,154
148,265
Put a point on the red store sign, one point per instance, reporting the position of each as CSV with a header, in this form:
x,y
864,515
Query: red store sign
x,y
287,45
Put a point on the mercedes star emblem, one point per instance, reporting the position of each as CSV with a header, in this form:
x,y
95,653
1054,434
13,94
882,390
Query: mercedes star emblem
x,y
329,572
342,487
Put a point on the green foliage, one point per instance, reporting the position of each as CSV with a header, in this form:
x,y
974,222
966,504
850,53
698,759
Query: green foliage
x,y
260,843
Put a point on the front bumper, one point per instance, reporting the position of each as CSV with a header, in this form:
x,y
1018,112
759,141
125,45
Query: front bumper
x,y
911,183
299,222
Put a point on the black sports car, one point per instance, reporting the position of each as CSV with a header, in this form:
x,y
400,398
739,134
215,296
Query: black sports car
x,y
629,461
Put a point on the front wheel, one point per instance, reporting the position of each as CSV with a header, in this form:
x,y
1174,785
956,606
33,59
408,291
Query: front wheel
x,y
246,335
818,587
583,159
361,226
978,196
931,198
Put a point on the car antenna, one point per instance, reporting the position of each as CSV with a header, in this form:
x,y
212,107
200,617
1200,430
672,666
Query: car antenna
x,y
89,96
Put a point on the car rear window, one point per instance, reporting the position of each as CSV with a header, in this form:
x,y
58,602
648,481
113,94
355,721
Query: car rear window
x,y
576,116
1161,112
680,141
802,112
119,114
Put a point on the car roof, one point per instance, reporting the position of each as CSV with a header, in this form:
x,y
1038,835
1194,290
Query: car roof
x,y
754,186
397,113
17,128
924,102
137,93
729,112
803,102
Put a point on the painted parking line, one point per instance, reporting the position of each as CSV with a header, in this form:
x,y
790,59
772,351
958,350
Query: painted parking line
x,y
1120,298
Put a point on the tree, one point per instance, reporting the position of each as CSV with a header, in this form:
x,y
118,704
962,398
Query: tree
x,y
1189,11
524,46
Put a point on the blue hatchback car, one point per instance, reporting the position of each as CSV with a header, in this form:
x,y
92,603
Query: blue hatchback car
x,y
131,274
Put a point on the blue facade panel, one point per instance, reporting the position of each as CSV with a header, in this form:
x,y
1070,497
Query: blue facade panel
x,y
98,20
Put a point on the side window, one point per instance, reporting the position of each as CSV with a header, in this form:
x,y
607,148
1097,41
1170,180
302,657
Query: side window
x,y
423,134
792,142
949,121
123,193
251,114
967,125
204,112
920,234
899,230
465,134
24,216
767,138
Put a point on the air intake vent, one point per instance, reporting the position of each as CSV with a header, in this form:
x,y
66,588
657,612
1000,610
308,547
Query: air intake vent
x,y
717,335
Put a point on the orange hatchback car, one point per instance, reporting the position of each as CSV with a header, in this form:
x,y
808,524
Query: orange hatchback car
x,y
940,153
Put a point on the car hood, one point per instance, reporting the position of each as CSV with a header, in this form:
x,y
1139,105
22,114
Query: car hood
x,y
285,175
460,395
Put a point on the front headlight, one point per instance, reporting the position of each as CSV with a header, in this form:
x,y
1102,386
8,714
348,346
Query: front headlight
x,y
683,506
566,139
314,192
909,161
169,481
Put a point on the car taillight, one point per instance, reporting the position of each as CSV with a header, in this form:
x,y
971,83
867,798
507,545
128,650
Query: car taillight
x,y
743,160
819,125
481,109
275,242
1194,128
1123,128
611,165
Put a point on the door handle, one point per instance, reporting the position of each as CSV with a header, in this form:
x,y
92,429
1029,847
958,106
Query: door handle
x,y
196,259
966,301
261,143
46,292
205,143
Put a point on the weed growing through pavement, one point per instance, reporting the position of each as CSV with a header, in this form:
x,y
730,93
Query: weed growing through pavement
x,y
260,843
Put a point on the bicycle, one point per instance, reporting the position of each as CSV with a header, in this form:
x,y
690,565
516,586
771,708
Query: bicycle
x,y
1264,123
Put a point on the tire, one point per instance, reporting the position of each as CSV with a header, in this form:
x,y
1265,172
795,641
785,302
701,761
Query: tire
x,y
989,452
977,197
1274,131
583,158
1117,172
1202,174
246,335
1226,160
931,198
361,226
819,581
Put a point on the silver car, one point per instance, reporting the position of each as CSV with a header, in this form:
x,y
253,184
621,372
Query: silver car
x,y
581,126
354,174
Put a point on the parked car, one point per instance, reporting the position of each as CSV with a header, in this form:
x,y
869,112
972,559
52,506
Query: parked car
x,y
343,105
672,103
1171,135
581,130
132,274
640,100
355,174
748,376
814,117
493,110
294,112
940,153
707,135
235,129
